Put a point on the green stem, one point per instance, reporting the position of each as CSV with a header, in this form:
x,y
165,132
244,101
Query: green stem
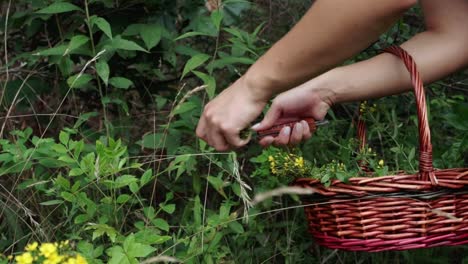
x,y
100,89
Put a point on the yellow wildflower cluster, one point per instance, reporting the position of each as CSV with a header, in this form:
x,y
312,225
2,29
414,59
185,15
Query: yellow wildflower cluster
x,y
48,253
288,164
364,107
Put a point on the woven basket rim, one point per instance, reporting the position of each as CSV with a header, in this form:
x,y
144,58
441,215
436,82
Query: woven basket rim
x,y
453,178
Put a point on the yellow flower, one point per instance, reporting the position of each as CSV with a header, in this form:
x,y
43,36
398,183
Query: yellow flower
x,y
369,150
47,249
80,260
10,257
270,158
31,247
25,258
381,163
53,258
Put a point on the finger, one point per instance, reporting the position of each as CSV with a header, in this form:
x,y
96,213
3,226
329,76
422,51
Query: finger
x,y
232,136
266,141
283,136
306,134
296,134
201,129
218,142
270,118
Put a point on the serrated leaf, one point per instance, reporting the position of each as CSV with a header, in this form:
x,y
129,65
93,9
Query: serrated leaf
x,y
151,35
103,25
102,69
79,81
59,7
76,42
120,82
194,62
123,44
209,81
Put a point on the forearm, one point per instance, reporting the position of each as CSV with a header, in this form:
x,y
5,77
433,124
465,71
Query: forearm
x,y
439,51
386,75
329,33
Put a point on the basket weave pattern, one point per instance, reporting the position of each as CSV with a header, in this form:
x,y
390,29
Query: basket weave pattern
x,y
395,212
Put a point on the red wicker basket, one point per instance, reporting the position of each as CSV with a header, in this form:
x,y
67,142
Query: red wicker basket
x,y
396,212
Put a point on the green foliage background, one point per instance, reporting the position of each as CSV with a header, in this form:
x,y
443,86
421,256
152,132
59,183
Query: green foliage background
x,y
100,100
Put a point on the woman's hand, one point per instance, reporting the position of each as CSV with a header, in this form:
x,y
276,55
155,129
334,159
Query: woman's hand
x,y
310,99
230,112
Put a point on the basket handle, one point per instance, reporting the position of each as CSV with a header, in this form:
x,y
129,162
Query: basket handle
x,y
426,169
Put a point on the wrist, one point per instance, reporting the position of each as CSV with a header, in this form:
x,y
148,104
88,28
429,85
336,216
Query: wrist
x,y
260,85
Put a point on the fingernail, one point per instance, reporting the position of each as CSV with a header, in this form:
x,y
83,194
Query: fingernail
x,y
298,127
256,126
287,131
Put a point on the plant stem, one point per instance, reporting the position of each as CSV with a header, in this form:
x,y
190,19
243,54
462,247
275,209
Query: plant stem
x,y
101,94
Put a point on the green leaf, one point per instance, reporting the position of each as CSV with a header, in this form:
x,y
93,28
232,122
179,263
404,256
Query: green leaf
x,y
81,218
123,198
102,69
75,172
120,82
194,62
68,196
153,141
64,137
168,208
221,63
59,7
161,224
209,81
79,81
67,159
236,227
151,35
217,17
52,202
102,24
54,51
192,34
184,108
124,180
123,44
59,148
76,42
146,177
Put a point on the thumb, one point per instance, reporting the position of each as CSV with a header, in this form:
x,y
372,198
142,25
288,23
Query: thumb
x,y
270,118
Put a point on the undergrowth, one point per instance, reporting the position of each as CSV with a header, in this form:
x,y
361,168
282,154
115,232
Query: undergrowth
x,y
100,100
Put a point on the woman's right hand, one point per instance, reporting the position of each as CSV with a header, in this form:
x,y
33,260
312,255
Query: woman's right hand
x,y
310,99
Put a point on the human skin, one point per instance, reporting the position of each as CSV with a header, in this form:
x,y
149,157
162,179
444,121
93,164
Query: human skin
x,y
330,32
438,51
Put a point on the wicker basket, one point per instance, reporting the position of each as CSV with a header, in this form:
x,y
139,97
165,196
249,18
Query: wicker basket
x,y
396,212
